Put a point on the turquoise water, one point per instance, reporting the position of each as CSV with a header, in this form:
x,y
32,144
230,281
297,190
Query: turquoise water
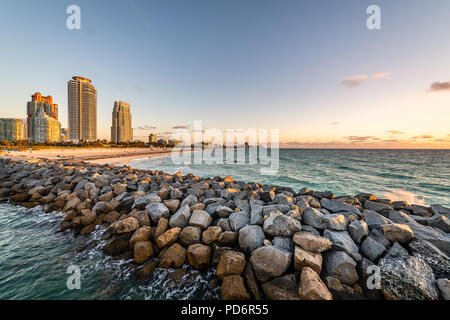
x,y
34,258
418,176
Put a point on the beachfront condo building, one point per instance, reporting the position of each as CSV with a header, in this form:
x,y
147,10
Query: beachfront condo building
x,y
152,138
121,129
13,130
82,109
42,119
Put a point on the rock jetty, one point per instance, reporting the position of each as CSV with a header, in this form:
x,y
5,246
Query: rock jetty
x,y
265,242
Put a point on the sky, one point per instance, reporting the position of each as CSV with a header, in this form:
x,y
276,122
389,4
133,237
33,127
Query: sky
x,y
311,69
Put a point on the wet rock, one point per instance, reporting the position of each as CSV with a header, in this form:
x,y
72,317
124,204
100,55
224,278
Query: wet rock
x,y
141,234
269,262
435,258
407,278
396,232
281,288
230,263
372,249
147,269
283,199
233,288
88,217
312,287
199,256
117,246
251,238
111,217
156,211
143,250
341,266
125,225
357,230
174,256
312,242
341,241
278,224
168,237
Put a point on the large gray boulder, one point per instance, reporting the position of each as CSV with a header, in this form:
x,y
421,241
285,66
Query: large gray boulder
x,y
156,211
278,224
357,230
376,206
341,241
396,251
407,278
200,218
141,202
256,214
190,200
439,210
435,258
269,262
181,217
284,243
372,249
441,222
314,218
341,266
281,288
239,220
336,206
251,237
375,220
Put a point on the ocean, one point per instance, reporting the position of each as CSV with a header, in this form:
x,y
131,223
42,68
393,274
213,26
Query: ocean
x,y
34,256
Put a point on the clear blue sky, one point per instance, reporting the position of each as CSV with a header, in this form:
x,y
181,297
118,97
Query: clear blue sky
x,y
240,64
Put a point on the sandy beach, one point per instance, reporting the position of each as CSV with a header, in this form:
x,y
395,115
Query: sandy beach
x,y
114,156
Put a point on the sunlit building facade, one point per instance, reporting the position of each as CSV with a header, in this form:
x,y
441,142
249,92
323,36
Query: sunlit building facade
x,y
12,129
42,119
121,129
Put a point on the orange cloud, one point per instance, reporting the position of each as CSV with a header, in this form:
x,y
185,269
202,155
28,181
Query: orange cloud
x,y
381,75
440,86
395,132
354,81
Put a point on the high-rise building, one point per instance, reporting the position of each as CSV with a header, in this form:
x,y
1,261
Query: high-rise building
x,y
42,120
82,105
13,130
121,129
152,138
64,133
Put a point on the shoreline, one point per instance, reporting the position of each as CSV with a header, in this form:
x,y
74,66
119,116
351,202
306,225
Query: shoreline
x,y
113,156
268,242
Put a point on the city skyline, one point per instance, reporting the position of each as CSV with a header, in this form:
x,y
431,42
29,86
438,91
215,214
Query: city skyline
x,y
232,66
